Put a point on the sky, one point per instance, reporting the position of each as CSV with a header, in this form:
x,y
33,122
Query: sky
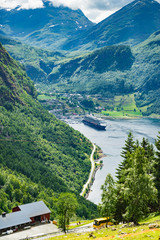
x,y
95,10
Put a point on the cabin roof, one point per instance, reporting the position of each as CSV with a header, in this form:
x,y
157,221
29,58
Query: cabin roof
x,y
23,215
34,209
13,219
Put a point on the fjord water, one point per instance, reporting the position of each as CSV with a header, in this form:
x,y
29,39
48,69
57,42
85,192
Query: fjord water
x,y
111,142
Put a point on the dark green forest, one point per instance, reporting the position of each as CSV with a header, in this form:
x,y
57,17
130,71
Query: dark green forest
x,y
37,151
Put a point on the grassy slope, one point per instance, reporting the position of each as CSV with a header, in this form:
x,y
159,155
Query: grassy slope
x,y
124,106
129,233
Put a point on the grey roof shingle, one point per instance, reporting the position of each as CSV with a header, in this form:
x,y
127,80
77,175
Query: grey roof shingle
x,y
23,216
13,219
34,209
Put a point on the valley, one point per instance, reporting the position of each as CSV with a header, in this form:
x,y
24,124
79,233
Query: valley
x,y
36,149
125,71
76,105
56,66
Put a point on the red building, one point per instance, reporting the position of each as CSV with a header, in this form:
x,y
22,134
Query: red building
x,y
36,211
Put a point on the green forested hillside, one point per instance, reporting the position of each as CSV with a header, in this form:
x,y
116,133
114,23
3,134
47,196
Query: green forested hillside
x,y
34,145
38,62
109,71
100,71
146,73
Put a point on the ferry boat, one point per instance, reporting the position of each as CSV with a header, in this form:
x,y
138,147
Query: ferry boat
x,y
94,122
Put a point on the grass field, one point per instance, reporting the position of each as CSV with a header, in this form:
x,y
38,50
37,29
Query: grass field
x,y
124,106
45,97
140,232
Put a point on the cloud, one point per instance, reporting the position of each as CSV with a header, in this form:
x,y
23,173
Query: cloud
x,y
98,15
95,10
26,4
91,4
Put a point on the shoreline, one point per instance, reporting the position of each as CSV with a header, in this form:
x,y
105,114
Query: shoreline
x,y
102,116
86,185
94,168
154,116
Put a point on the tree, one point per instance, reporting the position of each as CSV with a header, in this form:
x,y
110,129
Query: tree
x,y
138,189
127,150
66,204
129,146
109,195
149,149
157,166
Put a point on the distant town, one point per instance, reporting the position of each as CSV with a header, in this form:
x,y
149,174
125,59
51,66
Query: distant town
x,y
64,105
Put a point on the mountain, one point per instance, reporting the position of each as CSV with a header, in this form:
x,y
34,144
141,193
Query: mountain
x,y
61,28
38,62
89,73
145,73
35,147
109,71
46,27
63,71
130,25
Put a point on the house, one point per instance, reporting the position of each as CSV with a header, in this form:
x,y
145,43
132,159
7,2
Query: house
x,y
24,215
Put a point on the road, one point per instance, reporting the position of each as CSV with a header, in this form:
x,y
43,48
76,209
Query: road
x,y
34,231
80,229
91,172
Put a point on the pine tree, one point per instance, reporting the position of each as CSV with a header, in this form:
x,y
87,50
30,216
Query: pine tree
x,y
125,169
127,150
139,190
149,149
157,166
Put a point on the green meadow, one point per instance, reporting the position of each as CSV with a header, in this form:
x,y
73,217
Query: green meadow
x,y
124,106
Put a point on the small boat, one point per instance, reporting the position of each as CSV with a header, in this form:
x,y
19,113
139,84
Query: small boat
x,y
94,122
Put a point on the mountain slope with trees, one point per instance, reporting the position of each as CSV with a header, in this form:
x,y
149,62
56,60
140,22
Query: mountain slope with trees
x,y
89,73
33,143
139,74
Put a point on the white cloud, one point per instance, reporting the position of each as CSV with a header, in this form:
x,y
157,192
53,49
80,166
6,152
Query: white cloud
x,y
95,10
97,15
10,4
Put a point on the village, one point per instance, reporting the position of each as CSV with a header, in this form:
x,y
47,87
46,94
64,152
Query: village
x,y
64,105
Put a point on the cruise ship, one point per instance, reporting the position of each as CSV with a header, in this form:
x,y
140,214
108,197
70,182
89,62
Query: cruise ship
x,y
94,122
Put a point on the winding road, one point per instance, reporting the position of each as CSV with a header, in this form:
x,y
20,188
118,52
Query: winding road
x,y
91,172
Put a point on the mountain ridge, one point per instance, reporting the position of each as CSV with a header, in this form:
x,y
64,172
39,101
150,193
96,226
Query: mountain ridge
x,y
56,24
61,28
131,24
